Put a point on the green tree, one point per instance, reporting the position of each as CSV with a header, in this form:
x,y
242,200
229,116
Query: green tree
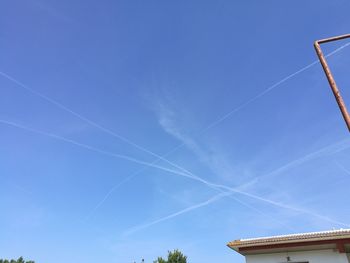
x,y
19,260
173,257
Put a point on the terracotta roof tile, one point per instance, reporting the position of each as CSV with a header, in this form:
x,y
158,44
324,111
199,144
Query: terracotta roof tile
x,y
302,237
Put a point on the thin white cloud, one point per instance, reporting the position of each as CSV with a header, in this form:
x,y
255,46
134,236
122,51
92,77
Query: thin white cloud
x,y
215,160
184,140
167,121
219,187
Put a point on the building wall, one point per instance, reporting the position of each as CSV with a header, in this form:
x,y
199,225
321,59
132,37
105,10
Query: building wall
x,y
316,256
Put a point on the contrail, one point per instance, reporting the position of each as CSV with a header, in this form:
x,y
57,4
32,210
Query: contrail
x,y
188,174
224,117
219,187
180,145
94,149
116,186
278,204
120,156
128,158
89,121
328,150
227,194
342,168
267,90
202,204
261,212
186,210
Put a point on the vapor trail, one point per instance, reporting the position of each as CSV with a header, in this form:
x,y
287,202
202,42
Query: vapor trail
x,y
187,173
267,90
186,210
94,149
116,186
215,123
228,194
202,204
301,210
328,150
274,203
224,117
343,168
215,186
120,156
89,121
236,190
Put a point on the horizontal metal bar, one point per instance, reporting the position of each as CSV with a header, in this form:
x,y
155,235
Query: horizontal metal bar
x,y
326,40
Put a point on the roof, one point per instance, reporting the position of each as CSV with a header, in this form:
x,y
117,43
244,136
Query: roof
x,y
293,239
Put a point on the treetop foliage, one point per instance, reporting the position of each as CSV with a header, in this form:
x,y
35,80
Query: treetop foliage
x,y
19,260
173,257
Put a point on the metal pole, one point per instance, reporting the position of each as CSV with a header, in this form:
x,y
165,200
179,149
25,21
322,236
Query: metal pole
x,y
330,78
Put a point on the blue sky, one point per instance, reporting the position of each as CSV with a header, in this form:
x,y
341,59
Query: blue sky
x,y
129,128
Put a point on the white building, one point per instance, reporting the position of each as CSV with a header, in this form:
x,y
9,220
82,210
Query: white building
x,y
318,247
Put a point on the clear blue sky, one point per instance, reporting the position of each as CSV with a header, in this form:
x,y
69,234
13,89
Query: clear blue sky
x,y
93,93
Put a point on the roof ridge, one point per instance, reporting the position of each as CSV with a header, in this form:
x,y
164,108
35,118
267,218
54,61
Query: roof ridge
x,y
329,232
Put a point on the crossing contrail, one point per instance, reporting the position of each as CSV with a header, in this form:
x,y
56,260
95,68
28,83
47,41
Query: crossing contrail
x,y
128,158
119,184
112,154
289,165
91,122
185,172
228,194
224,117
92,148
199,205
219,187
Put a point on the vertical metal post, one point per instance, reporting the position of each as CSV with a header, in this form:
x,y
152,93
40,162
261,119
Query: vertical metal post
x,y
330,78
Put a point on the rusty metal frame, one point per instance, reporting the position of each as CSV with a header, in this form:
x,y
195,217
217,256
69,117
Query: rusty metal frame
x,y
330,78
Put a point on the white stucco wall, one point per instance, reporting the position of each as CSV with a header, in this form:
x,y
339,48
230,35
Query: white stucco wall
x,y
316,256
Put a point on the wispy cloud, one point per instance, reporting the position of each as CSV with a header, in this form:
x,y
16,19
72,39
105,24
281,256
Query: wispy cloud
x,y
214,159
167,121
222,188
216,162
169,127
